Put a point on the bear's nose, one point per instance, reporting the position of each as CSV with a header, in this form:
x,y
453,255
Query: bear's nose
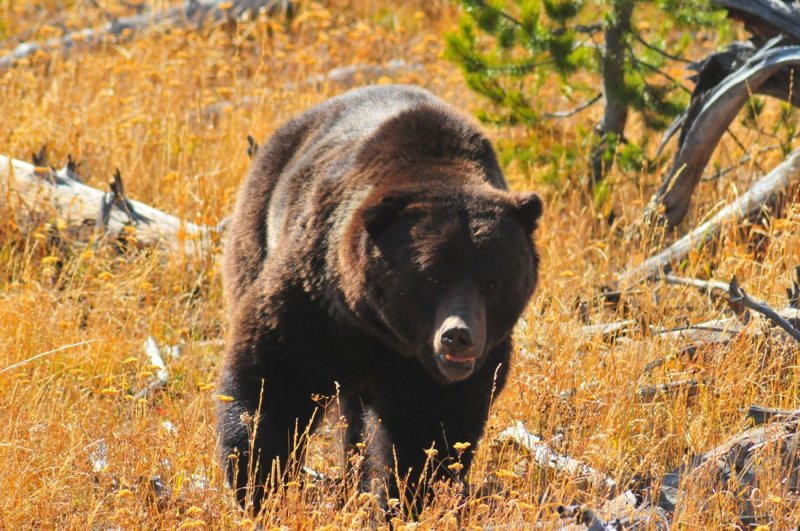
x,y
457,339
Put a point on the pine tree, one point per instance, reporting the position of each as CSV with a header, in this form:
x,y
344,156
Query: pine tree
x,y
507,50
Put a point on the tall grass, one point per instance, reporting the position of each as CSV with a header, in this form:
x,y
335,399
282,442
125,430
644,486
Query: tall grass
x,y
171,109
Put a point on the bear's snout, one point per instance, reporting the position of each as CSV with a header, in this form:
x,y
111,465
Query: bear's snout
x,y
458,343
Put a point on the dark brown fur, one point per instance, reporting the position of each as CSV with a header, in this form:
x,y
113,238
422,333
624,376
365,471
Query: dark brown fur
x,y
363,226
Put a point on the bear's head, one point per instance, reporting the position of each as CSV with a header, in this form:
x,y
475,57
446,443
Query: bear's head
x,y
440,275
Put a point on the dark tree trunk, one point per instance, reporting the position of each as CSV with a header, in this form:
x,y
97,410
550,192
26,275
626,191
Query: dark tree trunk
x,y
616,108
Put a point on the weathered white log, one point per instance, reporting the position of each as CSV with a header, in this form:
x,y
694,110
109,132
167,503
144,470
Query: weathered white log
x,y
192,11
766,189
711,112
544,457
77,203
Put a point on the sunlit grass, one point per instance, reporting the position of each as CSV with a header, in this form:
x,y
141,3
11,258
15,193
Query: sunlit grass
x,y
171,109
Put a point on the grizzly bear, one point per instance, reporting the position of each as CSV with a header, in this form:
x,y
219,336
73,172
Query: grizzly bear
x,y
375,252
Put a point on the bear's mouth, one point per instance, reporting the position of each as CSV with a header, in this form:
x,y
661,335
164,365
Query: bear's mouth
x,y
462,362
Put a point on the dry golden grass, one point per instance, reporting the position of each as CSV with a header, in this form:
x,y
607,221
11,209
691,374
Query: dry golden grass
x,y
151,106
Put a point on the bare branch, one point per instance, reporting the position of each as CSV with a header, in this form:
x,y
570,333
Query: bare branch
x,y
660,72
738,295
659,50
573,112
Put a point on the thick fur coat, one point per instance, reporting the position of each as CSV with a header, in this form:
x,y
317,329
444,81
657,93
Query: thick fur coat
x,y
375,248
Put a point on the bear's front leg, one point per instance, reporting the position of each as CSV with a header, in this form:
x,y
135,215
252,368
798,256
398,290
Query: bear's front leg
x,y
263,426
418,414
423,436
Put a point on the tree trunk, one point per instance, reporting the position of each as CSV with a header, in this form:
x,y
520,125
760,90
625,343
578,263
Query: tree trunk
x,y
615,115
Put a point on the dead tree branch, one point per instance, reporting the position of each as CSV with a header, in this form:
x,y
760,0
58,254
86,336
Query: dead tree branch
x,y
768,64
765,18
572,112
739,296
712,110
764,191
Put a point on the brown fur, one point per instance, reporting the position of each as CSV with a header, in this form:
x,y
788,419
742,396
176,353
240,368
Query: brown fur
x,y
366,227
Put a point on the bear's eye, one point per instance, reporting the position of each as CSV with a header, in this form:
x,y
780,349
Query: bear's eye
x,y
490,283
437,280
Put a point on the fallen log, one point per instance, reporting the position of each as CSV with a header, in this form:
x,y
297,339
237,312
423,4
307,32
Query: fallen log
x,y
78,204
195,12
739,462
544,457
711,112
765,190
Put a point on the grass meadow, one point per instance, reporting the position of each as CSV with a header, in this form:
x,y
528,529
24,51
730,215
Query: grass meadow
x,y
171,108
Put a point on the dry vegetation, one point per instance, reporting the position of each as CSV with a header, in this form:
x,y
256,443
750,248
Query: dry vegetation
x,y
171,109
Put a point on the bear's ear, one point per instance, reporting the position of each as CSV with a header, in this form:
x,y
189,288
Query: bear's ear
x,y
379,215
528,208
